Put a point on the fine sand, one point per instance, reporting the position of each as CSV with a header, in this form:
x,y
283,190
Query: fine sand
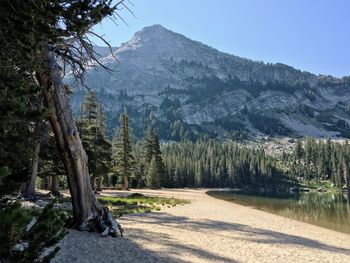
x,y
207,230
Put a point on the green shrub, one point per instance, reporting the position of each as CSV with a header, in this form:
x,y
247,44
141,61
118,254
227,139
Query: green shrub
x,y
13,221
48,230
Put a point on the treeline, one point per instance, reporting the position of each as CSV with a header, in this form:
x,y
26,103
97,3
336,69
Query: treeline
x,y
215,164
320,160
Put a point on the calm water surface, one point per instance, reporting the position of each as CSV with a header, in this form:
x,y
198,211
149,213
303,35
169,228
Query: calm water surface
x,y
329,210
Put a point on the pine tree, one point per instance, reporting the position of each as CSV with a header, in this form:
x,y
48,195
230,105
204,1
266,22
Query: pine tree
x,y
98,149
298,150
103,149
151,149
346,177
199,174
153,179
157,154
139,178
123,160
20,107
148,147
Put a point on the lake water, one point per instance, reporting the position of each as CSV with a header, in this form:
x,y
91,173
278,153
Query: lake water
x,y
329,210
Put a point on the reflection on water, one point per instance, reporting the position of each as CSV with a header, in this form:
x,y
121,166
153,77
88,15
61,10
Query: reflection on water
x,y
329,210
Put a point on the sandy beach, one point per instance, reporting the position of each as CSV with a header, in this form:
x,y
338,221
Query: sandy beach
x,y
207,230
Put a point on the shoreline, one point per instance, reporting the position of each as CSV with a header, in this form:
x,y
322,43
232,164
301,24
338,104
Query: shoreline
x,y
207,230
326,223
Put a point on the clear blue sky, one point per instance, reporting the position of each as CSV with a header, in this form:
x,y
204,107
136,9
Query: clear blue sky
x,y
311,35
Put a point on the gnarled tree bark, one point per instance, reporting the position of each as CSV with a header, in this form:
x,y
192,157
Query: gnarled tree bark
x,y
88,214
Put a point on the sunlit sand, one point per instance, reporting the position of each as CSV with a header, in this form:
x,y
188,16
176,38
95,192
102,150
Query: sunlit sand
x,y
207,230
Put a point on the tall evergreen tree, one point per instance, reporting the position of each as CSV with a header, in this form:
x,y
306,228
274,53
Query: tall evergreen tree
x,y
20,107
91,126
298,150
151,149
346,174
157,154
123,160
148,146
153,176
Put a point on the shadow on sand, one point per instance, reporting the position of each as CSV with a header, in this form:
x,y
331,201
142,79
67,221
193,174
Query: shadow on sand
x,y
254,234
89,247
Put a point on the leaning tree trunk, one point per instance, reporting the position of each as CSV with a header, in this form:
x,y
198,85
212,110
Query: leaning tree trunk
x,y
88,214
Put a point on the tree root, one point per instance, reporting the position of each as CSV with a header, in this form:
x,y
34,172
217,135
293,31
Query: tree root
x,y
103,223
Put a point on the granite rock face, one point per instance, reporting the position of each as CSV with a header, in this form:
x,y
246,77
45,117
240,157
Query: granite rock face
x,y
178,85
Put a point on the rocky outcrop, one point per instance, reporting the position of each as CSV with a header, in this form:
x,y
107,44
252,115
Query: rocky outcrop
x,y
175,79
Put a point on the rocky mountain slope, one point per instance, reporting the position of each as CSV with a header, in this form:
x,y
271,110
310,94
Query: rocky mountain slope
x,y
185,89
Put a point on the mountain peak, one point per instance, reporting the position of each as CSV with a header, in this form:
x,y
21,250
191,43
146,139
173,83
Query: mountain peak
x,y
155,39
154,31
182,80
155,27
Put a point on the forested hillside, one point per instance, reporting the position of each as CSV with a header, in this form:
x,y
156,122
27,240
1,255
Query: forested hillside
x,y
320,160
215,164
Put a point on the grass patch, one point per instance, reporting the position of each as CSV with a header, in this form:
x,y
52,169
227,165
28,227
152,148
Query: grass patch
x,y
321,184
138,203
134,203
